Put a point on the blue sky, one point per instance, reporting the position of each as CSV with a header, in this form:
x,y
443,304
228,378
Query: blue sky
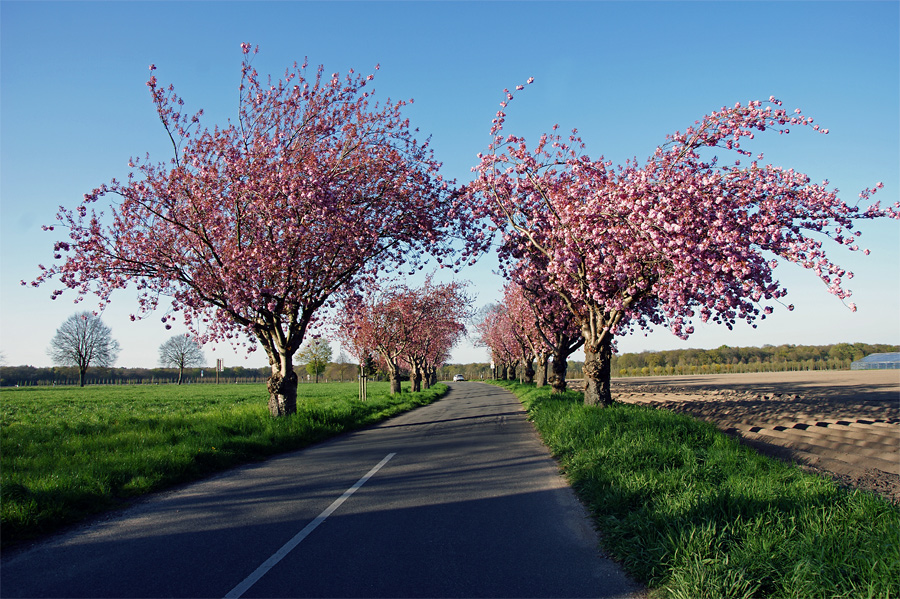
x,y
74,107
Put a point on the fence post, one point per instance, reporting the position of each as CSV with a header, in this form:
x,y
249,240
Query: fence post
x,y
363,386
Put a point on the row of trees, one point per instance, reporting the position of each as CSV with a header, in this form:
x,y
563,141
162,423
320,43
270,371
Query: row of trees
x,y
400,328
69,375
515,331
83,341
723,359
253,227
528,326
313,192
839,355
680,236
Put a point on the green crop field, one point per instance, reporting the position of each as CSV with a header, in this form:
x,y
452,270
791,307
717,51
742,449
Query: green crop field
x,y
68,452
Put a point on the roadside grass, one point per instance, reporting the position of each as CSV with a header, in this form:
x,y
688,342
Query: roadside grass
x,y
69,452
692,513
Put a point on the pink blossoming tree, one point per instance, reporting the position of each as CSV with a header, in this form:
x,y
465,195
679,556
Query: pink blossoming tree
x,y
254,226
430,349
496,332
528,342
407,327
530,326
558,332
678,237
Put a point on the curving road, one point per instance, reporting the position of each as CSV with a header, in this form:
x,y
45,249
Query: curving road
x,y
455,499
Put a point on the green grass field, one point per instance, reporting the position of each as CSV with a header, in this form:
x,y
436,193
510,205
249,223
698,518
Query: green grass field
x,y
68,452
692,513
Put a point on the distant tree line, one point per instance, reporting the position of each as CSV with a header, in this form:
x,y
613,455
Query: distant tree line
x,y
10,376
66,375
723,359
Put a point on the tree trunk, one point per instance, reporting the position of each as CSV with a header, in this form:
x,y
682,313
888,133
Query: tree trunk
x,y
394,374
557,378
597,389
180,374
528,370
282,392
541,372
282,384
81,375
415,378
393,371
396,388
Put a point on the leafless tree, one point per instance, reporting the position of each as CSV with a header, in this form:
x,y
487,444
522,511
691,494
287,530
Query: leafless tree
x,y
343,360
82,341
181,351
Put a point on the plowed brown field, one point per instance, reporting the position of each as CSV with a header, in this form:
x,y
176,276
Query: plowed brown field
x,y
845,424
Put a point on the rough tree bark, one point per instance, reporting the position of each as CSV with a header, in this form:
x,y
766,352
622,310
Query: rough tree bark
x,y
280,349
394,376
597,362
415,378
557,378
282,388
563,346
282,383
396,389
528,370
541,371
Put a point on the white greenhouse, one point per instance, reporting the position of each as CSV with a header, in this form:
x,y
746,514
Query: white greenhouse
x,y
877,362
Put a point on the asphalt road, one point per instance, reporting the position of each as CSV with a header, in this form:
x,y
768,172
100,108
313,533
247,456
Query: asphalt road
x,y
455,499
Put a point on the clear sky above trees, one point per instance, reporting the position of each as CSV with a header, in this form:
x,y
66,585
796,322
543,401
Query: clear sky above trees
x,y
75,108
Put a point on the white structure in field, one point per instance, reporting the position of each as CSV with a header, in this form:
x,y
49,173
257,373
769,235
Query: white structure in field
x,y
877,362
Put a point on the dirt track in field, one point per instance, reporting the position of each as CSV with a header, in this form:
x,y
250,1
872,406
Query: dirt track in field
x,y
845,424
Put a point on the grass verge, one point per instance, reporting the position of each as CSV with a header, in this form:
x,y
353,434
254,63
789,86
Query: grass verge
x,y
692,513
68,452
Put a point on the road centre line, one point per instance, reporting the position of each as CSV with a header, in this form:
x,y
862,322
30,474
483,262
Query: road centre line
x,y
267,565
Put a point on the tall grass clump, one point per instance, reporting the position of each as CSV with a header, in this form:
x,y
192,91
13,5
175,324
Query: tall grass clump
x,y
68,452
692,513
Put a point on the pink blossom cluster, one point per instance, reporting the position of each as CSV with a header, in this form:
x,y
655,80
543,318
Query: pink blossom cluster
x,y
254,226
529,325
678,238
496,331
411,328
